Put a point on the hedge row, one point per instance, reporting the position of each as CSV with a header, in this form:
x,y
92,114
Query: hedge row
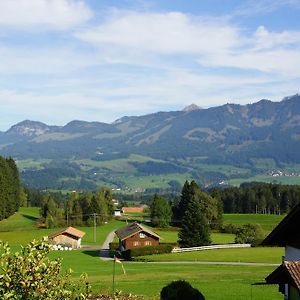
x,y
130,254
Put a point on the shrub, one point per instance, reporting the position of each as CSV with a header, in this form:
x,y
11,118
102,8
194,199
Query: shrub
x,y
180,289
129,254
30,274
113,246
229,228
249,233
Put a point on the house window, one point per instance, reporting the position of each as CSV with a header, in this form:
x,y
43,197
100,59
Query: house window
x,y
147,243
142,235
136,243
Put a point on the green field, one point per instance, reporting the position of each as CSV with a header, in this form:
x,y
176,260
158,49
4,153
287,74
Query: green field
x,y
249,255
214,281
267,222
267,179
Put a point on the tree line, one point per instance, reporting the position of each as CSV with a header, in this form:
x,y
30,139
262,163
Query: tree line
x,y
11,191
77,209
259,198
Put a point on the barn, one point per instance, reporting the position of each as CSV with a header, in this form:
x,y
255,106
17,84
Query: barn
x,y
136,235
69,236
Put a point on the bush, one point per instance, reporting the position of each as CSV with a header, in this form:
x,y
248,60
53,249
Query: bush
x,y
30,274
178,290
113,246
129,254
229,228
249,233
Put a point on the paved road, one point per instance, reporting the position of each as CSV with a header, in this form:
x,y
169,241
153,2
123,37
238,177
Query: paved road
x,y
104,251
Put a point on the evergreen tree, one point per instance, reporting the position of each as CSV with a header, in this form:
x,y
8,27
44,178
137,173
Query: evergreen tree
x,y
50,211
10,188
161,212
188,191
195,228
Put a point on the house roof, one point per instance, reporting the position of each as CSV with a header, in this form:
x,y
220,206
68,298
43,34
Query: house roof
x,y
133,209
132,229
69,230
286,232
286,273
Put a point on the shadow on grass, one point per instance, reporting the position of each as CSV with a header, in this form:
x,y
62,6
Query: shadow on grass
x,y
30,217
93,253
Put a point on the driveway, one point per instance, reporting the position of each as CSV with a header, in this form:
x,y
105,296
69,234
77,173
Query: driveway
x,y
104,251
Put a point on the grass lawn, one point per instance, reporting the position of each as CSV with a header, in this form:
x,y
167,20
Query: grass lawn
x,y
257,254
214,281
171,236
267,222
24,219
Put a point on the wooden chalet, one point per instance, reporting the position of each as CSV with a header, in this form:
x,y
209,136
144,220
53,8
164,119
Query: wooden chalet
x,y
287,275
136,235
70,237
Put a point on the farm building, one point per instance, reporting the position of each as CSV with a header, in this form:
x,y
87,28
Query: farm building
x,y
136,209
68,237
136,235
287,275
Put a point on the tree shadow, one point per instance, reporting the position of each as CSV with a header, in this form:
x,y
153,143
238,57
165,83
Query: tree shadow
x,y
30,217
93,253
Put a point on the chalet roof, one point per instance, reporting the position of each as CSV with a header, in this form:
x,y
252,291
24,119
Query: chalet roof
x,y
286,232
286,273
69,230
134,209
132,229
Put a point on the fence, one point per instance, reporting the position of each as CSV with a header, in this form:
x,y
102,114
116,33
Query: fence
x,y
229,246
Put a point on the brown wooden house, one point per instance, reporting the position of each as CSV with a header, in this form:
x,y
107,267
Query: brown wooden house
x,y
136,235
70,237
287,275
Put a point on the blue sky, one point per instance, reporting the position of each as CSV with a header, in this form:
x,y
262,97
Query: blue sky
x,y
99,60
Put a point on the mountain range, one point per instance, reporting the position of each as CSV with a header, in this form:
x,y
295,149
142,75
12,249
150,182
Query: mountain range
x,y
231,134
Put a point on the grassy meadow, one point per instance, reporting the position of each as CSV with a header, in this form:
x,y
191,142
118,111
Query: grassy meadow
x,y
214,281
267,222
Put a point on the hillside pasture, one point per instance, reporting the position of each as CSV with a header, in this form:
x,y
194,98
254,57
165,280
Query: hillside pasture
x,y
267,222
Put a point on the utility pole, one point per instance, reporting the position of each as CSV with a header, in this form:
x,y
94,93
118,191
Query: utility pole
x,y
114,271
94,214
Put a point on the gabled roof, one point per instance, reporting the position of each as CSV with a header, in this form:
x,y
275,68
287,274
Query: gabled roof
x,y
132,229
70,231
287,273
286,232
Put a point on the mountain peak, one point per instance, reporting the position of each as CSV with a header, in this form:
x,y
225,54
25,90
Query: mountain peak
x,y
191,107
293,97
29,128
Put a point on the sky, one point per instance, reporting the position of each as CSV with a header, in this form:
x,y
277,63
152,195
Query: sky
x,y
100,60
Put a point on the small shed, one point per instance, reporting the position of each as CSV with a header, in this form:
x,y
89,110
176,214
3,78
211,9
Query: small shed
x,y
136,235
70,237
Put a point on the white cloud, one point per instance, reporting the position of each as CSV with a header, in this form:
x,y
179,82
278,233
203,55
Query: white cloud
x,y
138,37
164,33
264,39
43,14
